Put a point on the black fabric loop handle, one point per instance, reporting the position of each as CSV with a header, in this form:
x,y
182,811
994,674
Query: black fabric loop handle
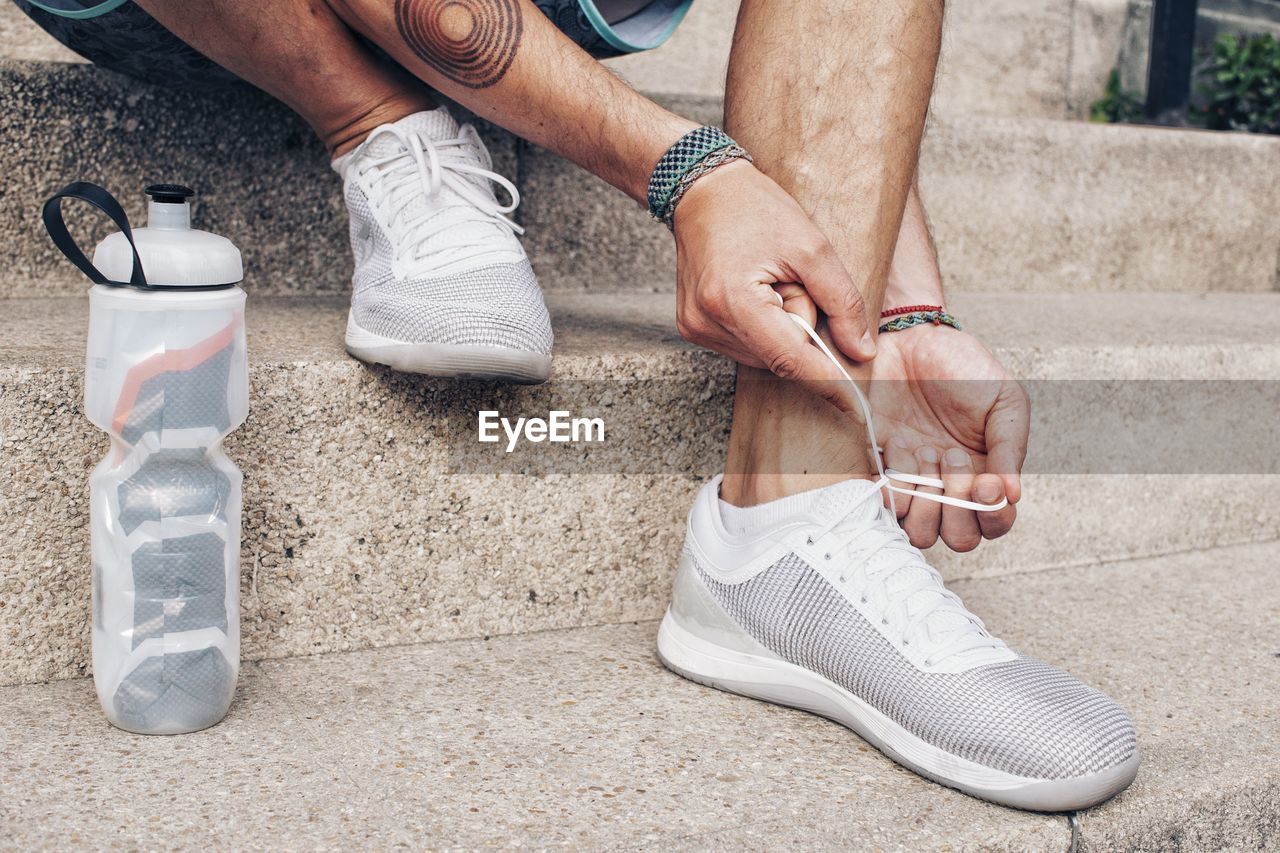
x,y
105,202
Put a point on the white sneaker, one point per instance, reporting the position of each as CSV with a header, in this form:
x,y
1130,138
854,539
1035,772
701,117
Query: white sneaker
x,y
442,286
827,607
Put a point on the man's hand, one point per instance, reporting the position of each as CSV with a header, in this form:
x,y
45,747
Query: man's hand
x,y
944,407
738,234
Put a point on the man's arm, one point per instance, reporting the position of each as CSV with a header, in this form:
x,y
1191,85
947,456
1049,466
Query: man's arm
x,y
505,61
914,276
951,409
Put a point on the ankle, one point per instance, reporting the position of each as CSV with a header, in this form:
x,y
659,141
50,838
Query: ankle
x,y
745,490
344,134
785,441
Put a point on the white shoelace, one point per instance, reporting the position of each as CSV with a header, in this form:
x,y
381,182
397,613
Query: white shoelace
x,y
889,475
908,592
903,603
430,166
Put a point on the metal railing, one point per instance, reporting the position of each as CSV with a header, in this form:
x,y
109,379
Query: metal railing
x,y
1173,36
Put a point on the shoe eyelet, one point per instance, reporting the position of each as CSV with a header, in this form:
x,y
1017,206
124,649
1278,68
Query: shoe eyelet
x,y
826,556
843,579
906,642
808,540
864,599
928,662
884,621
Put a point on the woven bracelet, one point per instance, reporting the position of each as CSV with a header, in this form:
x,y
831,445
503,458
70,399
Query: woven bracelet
x,y
710,163
919,318
672,173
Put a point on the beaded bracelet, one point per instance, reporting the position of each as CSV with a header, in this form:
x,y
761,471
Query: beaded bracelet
x,y
692,156
918,318
907,309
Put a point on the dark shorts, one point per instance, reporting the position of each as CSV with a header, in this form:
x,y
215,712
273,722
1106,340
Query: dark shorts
x,y
131,42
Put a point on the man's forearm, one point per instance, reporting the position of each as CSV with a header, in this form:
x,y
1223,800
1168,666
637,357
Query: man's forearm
x,y
506,62
914,276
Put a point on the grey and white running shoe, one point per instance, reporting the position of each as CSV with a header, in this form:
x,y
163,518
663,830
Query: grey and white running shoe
x,y
833,611
442,285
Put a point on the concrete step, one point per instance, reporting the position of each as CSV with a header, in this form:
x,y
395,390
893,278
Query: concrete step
x,y
372,519
580,738
1017,204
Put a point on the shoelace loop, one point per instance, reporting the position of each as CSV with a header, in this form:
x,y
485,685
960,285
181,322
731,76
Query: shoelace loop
x,y
887,536
901,603
434,165
887,476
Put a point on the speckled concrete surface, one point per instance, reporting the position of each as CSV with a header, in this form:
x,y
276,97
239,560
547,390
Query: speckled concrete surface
x,y
576,739
1016,204
1188,644
1073,206
21,39
994,42
257,168
364,526
581,739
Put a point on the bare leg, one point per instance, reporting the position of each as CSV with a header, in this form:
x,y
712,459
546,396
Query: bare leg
x,y
300,52
831,100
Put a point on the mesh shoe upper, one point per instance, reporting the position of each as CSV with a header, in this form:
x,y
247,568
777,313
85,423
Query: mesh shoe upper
x,y
436,260
1021,716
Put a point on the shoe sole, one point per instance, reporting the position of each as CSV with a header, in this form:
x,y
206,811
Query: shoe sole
x,y
782,683
452,361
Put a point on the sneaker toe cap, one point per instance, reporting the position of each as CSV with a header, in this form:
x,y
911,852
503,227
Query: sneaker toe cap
x,y
464,325
492,307
1051,726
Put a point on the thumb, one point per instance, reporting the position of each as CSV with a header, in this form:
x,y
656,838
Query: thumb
x,y
832,289
1008,425
779,343
796,300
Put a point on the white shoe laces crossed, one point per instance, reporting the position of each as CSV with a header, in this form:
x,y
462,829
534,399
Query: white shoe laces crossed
x,y
429,166
901,603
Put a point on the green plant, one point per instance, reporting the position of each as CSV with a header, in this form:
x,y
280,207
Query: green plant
x,y
1240,78
1115,105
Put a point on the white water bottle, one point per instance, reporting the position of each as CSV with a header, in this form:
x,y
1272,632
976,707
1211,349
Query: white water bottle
x,y
166,377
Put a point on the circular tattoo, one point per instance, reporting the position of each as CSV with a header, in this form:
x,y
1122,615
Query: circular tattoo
x,y
472,42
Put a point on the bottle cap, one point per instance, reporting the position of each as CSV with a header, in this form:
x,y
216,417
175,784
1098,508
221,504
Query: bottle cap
x,y
173,253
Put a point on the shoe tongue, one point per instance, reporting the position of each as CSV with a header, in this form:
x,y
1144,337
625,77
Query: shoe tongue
x,y
434,124
855,502
852,500
940,621
437,125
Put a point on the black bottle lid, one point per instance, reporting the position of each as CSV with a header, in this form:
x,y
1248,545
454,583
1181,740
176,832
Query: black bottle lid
x,y
169,193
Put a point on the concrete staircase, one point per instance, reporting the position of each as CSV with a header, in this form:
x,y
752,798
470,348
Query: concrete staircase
x,y
580,739
1018,204
530,709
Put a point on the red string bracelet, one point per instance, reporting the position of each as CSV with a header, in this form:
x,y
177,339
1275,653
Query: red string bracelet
x,y
908,309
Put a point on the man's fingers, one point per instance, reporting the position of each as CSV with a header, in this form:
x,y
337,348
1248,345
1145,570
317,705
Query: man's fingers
x,y
833,290
924,517
959,526
988,489
787,351
1008,424
898,456
796,300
